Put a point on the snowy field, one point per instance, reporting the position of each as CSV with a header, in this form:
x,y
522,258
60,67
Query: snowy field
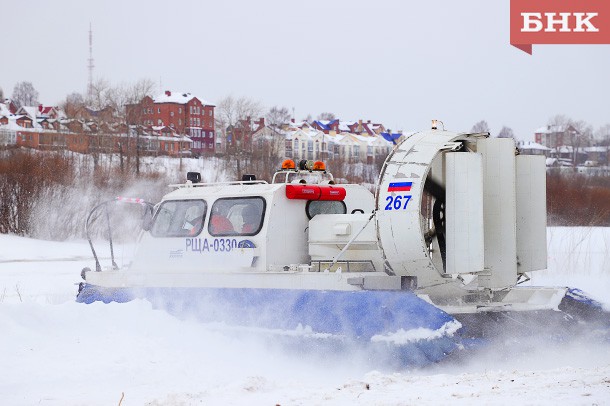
x,y
57,352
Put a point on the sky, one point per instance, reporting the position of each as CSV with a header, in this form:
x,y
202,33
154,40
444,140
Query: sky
x,y
401,63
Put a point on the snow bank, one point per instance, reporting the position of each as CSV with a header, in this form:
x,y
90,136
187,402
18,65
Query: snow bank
x,y
57,352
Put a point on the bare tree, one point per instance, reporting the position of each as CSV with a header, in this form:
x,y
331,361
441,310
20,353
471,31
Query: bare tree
x,y
506,132
326,116
112,101
117,98
559,131
1,95
138,90
98,97
24,94
134,94
97,100
234,120
576,134
480,127
579,138
278,116
267,145
309,118
602,135
559,120
74,105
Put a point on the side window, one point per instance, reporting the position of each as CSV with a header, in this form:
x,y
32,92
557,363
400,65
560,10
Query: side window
x,y
237,216
179,218
314,207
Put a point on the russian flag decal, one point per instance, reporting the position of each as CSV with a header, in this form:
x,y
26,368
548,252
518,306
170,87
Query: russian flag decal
x,y
400,187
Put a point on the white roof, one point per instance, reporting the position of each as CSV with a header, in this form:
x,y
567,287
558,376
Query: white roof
x,y
295,126
13,126
4,110
563,149
31,111
344,125
179,98
531,145
597,149
339,138
551,129
158,127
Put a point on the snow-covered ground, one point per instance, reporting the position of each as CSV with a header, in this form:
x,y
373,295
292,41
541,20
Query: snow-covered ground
x,y
57,352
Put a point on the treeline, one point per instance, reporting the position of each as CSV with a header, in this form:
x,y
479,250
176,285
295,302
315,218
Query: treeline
x,y
48,195
577,200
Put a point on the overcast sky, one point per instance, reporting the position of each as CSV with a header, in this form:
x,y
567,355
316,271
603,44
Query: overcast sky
x,y
397,62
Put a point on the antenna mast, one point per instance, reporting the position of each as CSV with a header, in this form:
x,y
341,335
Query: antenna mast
x,y
90,66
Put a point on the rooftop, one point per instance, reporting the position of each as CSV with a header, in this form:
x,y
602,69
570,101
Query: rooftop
x,y
178,97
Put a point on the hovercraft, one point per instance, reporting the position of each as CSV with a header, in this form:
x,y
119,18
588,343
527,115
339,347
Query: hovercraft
x,y
433,260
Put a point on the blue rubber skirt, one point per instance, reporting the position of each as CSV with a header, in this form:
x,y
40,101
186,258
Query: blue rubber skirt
x,y
412,330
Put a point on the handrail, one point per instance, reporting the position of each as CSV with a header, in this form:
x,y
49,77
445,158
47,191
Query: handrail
x,y
287,173
227,183
88,222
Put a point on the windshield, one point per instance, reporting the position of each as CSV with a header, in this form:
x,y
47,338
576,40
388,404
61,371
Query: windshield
x,y
237,216
179,218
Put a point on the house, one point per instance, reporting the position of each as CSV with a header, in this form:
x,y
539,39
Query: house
x,y
106,114
326,126
567,155
532,148
8,128
268,140
47,111
185,113
28,111
240,134
599,155
5,111
553,136
377,148
296,125
46,128
17,130
24,121
10,106
306,144
361,127
313,144
337,126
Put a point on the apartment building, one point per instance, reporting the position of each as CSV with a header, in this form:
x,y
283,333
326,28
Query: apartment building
x,y
185,113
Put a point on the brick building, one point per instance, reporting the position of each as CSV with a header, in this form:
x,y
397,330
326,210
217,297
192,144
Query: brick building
x,y
184,113
553,136
46,128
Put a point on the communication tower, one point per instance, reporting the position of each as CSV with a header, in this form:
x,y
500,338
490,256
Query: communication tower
x,y
90,65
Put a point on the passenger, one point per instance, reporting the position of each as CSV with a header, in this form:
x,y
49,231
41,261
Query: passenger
x,y
196,225
219,223
193,219
252,219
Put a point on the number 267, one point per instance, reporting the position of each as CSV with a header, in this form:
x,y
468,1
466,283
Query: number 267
x,y
397,202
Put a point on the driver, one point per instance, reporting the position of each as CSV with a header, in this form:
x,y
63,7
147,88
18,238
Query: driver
x,y
252,219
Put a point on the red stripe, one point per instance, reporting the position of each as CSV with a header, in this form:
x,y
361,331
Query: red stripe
x,y
399,189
